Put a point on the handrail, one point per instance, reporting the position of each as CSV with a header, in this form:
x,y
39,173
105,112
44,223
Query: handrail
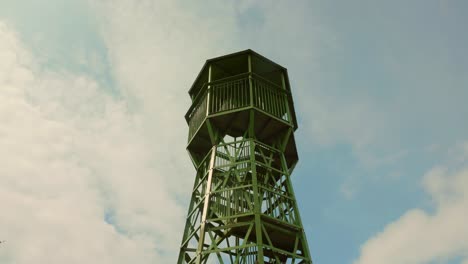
x,y
260,85
234,142
233,77
204,88
257,76
267,146
195,103
262,186
254,141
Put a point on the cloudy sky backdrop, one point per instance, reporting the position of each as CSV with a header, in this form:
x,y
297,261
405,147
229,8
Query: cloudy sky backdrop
x,y
93,167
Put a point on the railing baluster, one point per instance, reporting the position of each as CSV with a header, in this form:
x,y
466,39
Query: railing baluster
x,y
233,95
281,104
277,107
242,94
246,93
262,97
236,95
270,101
273,97
228,96
259,95
222,103
277,111
216,105
255,92
220,98
236,92
214,99
219,95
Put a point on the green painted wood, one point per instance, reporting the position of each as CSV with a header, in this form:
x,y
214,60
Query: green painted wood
x,y
242,209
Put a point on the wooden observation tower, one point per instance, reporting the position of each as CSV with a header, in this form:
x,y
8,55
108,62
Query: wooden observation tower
x,y
241,142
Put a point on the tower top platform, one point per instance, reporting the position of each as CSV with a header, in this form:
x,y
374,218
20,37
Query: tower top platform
x,y
236,63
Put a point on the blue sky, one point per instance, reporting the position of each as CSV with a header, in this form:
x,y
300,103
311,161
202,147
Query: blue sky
x,y
93,97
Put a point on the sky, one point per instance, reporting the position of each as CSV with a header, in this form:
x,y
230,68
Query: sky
x,y
92,132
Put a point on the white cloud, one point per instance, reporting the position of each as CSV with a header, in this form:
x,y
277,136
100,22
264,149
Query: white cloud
x,y
423,237
156,49
329,114
70,154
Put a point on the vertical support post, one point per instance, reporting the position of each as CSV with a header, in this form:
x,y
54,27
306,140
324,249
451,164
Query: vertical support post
x,y
285,139
187,222
201,239
257,201
305,249
283,84
208,92
249,60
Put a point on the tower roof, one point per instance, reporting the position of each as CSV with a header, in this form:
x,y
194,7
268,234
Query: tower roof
x,y
260,64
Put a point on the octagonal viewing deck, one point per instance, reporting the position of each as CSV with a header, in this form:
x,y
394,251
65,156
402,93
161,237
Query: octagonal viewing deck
x,y
235,94
228,86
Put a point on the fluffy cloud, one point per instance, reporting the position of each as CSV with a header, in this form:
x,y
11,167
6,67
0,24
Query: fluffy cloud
x,y
79,180
419,236
98,175
156,49
90,176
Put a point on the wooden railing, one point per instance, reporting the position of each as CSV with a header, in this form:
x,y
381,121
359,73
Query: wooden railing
x,y
232,193
197,116
277,205
237,92
269,98
229,95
